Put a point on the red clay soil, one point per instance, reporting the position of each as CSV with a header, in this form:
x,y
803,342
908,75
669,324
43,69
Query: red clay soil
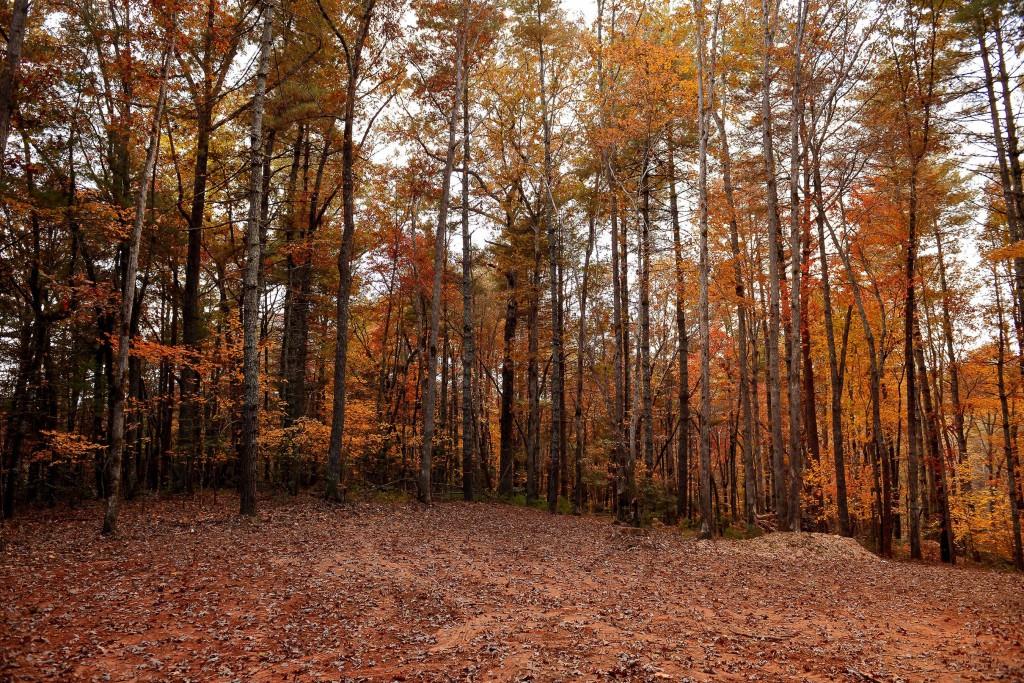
x,y
380,592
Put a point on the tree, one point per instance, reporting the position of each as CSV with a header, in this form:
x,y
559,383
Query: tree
x,y
769,20
250,294
128,296
353,55
9,75
429,380
707,526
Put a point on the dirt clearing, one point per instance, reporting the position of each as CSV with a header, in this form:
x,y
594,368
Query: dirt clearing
x,y
478,592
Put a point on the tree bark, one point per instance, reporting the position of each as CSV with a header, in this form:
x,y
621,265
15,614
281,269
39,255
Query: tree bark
x,y
647,405
769,15
353,62
9,76
936,462
250,284
430,379
910,313
554,237
749,474
880,469
508,376
835,374
1010,184
683,442
533,374
1009,444
468,348
796,451
581,340
707,526
128,303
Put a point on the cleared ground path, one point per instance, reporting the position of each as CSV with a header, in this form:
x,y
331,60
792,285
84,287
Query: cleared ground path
x,y
478,592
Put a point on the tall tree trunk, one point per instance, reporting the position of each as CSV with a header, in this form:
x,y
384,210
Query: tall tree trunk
x,y
581,340
193,330
647,405
563,431
936,462
683,443
533,375
1010,183
128,303
810,407
769,15
1012,146
749,473
954,366
250,284
619,361
1009,443
796,451
294,335
835,374
508,376
430,379
353,62
707,526
554,241
9,76
909,312
468,349
880,469
628,411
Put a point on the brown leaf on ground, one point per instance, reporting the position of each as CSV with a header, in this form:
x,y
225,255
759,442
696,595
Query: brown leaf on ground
x,y
376,592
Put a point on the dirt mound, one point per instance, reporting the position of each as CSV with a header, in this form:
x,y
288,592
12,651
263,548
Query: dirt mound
x,y
811,546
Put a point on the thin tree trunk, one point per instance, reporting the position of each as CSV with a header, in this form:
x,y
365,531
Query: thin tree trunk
x,y
619,361
835,375
796,451
9,76
880,470
533,375
707,526
128,302
628,411
581,341
683,443
430,379
1009,444
749,474
295,332
193,329
468,349
250,284
936,461
909,312
1012,147
554,237
508,375
954,366
1010,188
647,405
769,15
353,62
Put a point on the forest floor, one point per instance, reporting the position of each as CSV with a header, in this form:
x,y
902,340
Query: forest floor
x,y
393,591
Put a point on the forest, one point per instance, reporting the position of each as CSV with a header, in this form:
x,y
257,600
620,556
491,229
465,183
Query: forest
x,y
715,269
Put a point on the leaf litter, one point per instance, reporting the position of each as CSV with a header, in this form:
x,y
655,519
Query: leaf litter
x,y
477,592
